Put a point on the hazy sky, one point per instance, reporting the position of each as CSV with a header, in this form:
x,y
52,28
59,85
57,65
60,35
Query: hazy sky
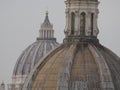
x,y
20,22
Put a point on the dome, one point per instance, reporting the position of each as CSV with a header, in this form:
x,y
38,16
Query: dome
x,y
32,54
81,62
77,67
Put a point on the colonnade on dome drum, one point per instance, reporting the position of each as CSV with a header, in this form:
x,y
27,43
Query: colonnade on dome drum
x,y
81,20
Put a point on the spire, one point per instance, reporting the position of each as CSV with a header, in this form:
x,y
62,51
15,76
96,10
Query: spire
x,y
81,20
46,22
46,31
47,13
46,18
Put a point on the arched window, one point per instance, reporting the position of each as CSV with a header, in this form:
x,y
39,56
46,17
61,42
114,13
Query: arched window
x,y
92,23
47,33
72,23
82,24
44,34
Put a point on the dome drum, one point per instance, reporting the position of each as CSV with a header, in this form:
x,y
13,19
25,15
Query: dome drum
x,y
81,2
53,39
84,40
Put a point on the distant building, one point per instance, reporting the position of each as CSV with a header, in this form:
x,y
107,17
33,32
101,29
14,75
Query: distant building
x,y
33,54
80,62
2,86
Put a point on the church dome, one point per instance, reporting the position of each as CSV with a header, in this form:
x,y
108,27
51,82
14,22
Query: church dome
x,y
33,53
81,62
77,67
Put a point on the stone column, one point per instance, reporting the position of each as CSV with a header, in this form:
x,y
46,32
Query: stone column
x,y
88,24
77,21
53,34
48,33
95,28
67,23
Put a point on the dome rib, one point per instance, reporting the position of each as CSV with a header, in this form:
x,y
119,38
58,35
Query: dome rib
x,y
113,62
105,75
65,70
25,66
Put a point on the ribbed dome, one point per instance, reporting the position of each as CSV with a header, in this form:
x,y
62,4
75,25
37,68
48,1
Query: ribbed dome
x,y
32,55
76,67
45,43
81,62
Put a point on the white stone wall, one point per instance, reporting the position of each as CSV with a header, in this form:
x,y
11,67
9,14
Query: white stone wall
x,y
17,82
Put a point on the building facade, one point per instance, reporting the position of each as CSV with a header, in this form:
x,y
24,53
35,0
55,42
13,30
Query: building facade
x,y
2,86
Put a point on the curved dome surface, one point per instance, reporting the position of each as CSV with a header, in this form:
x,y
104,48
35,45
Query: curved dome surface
x,y
32,54
76,67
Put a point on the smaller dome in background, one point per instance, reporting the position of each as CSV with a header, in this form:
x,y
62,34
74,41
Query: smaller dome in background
x,y
33,53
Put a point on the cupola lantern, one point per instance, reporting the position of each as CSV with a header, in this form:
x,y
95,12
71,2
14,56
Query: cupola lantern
x,y
81,19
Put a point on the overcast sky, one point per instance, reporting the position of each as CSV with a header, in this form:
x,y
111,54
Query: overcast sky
x,y
20,22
